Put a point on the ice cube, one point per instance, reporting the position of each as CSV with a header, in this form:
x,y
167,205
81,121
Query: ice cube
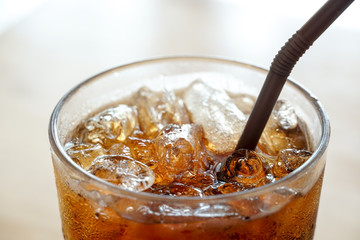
x,y
289,160
244,102
285,115
223,188
245,168
119,149
200,180
123,171
156,110
222,121
178,150
142,150
178,189
83,154
284,130
190,184
112,124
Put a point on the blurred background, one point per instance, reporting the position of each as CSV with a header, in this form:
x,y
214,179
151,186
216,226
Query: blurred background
x,y
48,46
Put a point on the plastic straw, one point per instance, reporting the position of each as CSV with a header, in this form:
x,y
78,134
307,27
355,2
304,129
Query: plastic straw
x,y
282,66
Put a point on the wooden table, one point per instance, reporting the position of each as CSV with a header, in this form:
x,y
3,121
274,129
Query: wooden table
x,y
66,41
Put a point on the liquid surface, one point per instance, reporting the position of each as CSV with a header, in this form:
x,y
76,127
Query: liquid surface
x,y
172,143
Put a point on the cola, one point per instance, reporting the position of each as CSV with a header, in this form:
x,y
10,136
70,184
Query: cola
x,y
162,164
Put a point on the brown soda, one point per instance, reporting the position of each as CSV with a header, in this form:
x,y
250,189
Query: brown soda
x,y
175,149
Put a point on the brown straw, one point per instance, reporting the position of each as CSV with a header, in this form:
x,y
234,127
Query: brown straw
x,y
281,67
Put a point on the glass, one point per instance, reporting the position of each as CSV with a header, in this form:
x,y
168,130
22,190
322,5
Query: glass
x,y
92,208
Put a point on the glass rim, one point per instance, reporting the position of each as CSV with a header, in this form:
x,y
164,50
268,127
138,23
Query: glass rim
x,y
57,148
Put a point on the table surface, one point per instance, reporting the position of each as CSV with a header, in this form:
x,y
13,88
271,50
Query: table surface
x,y
64,42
